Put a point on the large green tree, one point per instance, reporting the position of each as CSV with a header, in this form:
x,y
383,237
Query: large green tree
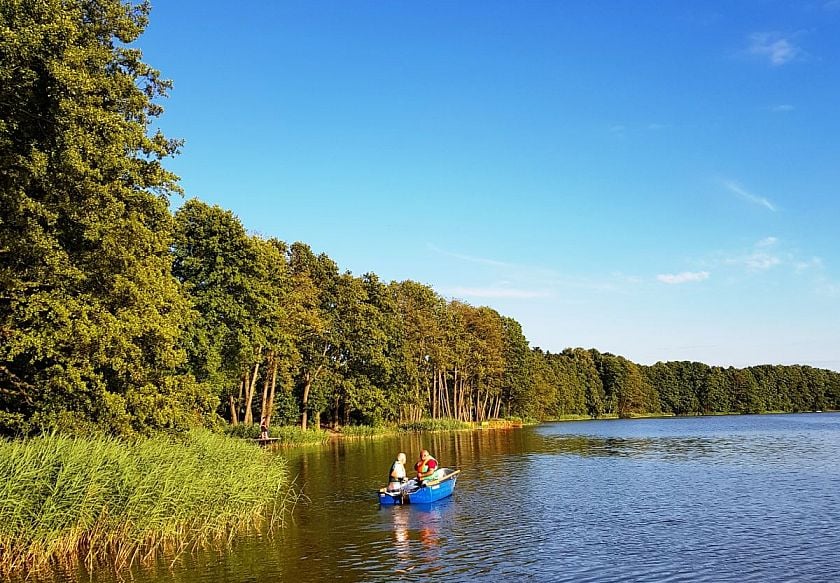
x,y
89,311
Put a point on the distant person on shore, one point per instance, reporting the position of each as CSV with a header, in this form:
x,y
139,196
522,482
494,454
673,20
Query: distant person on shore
x,y
263,428
396,476
426,466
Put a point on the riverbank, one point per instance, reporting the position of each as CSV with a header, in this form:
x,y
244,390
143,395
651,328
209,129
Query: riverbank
x,y
286,435
95,500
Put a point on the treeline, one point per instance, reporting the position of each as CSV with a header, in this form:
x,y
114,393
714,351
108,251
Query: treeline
x,y
118,315
587,382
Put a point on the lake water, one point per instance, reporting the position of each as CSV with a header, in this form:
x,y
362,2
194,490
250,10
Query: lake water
x,y
742,498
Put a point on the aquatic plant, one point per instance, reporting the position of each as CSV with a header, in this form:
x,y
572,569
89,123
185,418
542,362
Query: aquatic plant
x,y
284,434
93,499
436,425
367,430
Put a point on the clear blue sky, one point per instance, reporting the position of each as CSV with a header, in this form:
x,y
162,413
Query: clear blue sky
x,y
654,179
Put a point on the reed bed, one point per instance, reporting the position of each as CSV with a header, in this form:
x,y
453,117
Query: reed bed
x,y
367,431
99,500
445,424
285,434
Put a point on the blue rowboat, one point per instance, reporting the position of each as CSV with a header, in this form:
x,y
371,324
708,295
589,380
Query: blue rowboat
x,y
427,492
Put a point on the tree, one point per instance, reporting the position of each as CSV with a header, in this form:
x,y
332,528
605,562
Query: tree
x,y
314,287
89,312
517,381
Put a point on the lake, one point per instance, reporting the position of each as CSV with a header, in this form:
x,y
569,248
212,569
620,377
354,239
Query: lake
x,y
738,498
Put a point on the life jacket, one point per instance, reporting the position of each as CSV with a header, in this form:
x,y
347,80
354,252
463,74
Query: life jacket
x,y
423,466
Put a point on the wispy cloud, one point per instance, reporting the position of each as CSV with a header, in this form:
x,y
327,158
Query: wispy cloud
x,y
502,279
499,292
742,192
781,108
809,264
760,257
684,277
471,258
760,261
775,47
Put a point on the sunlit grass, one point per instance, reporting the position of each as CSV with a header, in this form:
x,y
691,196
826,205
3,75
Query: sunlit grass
x,y
367,431
72,499
284,434
436,425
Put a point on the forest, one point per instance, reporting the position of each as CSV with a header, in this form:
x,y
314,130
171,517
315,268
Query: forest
x,y
121,315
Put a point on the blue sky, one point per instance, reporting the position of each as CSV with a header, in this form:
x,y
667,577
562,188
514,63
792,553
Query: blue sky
x,y
653,179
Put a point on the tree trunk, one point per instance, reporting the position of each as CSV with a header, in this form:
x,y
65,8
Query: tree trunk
x,y
234,417
456,412
305,400
448,408
266,386
249,395
271,394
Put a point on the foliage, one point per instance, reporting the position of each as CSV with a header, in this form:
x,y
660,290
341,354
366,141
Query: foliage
x,y
89,312
104,499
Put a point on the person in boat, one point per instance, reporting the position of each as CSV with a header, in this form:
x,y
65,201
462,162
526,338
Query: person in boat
x,y
264,428
426,466
396,476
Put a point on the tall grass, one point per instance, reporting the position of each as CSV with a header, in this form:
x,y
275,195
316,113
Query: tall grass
x,y
436,425
90,499
285,434
367,431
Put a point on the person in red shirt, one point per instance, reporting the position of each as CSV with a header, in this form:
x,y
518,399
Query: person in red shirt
x,y
425,466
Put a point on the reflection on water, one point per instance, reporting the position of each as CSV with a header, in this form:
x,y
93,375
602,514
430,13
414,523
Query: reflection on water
x,y
752,498
417,532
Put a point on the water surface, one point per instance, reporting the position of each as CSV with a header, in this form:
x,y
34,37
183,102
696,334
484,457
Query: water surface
x,y
743,498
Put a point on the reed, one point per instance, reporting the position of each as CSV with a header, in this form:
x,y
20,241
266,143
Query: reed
x,y
285,434
367,431
101,499
436,425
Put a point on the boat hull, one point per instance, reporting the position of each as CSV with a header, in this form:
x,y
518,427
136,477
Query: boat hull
x,y
426,494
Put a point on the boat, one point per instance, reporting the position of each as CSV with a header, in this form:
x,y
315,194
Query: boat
x,y
440,486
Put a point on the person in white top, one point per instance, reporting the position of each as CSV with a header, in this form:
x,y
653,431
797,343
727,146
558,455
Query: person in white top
x,y
396,477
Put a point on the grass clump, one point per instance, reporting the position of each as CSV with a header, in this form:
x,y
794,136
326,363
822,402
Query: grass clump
x,y
285,434
68,499
436,425
366,430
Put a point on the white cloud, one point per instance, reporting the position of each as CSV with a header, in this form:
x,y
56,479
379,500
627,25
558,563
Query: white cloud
x,y
782,108
813,263
759,258
498,292
778,49
736,188
684,277
760,261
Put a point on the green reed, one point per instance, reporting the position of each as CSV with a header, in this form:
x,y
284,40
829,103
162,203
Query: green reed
x,y
445,424
104,499
285,434
367,430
